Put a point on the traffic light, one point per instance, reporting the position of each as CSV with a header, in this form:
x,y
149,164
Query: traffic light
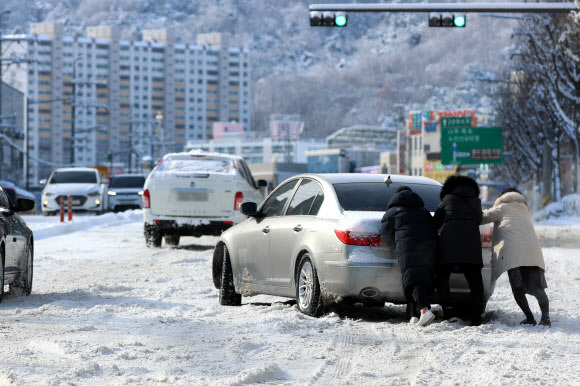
x,y
446,20
327,19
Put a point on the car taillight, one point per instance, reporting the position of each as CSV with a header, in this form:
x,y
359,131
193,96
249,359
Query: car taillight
x,y
360,238
146,199
238,200
486,232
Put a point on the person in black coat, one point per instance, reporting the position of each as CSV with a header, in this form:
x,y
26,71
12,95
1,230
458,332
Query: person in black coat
x,y
459,247
408,225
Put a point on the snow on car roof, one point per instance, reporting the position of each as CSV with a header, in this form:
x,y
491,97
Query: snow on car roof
x,y
201,153
341,178
76,170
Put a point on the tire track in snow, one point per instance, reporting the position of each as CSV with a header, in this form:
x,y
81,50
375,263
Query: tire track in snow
x,y
347,347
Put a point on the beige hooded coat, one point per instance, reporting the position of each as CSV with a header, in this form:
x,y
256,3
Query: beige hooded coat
x,y
515,243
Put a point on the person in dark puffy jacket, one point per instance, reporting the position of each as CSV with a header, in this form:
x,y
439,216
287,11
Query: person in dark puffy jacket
x,y
459,247
408,225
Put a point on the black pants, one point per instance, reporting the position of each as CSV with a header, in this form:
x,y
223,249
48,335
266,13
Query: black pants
x,y
417,299
472,274
529,280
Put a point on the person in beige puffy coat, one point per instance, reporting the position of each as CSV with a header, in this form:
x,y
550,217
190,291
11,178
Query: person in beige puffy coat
x,y
516,249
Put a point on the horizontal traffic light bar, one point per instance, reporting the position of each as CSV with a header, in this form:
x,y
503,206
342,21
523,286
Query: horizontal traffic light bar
x,y
449,7
327,19
447,20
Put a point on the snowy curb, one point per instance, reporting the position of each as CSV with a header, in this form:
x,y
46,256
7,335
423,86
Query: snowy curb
x,y
43,230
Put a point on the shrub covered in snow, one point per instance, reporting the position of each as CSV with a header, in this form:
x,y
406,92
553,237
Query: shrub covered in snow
x,y
568,207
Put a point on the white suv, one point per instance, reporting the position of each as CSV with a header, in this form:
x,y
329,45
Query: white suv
x,y
84,185
195,194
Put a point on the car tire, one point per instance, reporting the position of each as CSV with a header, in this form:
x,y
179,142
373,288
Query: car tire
x,y
153,237
172,240
308,294
24,285
228,294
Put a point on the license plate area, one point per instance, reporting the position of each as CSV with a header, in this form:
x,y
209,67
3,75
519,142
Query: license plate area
x,y
191,195
75,202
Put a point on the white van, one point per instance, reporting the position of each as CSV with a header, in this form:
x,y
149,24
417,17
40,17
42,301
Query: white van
x,y
195,194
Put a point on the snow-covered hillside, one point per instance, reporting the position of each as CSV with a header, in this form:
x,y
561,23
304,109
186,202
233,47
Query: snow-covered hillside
x,y
332,77
107,310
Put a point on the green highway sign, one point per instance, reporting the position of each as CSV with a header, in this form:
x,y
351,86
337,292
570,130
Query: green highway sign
x,y
471,145
457,122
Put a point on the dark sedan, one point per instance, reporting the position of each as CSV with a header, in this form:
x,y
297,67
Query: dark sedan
x,y
16,246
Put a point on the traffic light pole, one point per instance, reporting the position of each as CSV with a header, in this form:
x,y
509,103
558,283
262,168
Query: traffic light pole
x,y
449,7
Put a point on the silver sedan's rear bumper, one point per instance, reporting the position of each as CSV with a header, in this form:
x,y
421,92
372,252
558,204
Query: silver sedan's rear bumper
x,y
382,281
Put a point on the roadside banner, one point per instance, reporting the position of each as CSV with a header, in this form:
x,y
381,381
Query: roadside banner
x,y
437,171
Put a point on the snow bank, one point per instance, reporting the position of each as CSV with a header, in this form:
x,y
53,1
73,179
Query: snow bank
x,y
569,207
44,227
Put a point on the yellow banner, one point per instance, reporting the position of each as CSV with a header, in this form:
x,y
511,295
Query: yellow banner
x,y
437,171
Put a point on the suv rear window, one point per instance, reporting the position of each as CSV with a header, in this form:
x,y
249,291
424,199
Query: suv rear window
x,y
74,178
197,165
127,182
374,196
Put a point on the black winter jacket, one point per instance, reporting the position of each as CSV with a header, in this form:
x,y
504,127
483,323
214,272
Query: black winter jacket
x,y
408,225
460,215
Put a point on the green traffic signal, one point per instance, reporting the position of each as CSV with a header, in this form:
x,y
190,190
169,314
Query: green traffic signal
x,y
459,21
340,20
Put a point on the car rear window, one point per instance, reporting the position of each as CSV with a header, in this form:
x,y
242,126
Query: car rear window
x,y
74,178
127,182
374,196
197,165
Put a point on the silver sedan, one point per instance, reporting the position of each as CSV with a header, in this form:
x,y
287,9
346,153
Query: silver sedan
x,y
317,238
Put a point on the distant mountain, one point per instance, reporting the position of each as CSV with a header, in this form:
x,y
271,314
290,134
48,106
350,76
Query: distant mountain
x,y
333,77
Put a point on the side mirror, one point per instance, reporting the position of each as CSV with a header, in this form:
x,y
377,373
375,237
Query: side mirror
x,y
24,205
249,209
262,184
42,182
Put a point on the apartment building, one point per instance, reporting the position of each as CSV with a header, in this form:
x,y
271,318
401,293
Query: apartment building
x,y
129,99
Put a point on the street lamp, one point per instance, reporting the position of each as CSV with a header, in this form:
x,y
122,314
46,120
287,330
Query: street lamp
x,y
73,112
5,12
159,118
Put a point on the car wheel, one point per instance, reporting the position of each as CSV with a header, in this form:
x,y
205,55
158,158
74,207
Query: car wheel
x,y
228,295
24,286
152,238
172,240
308,294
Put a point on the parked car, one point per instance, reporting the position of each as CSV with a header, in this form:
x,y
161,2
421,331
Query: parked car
x,y
125,191
195,194
317,238
16,245
14,192
84,185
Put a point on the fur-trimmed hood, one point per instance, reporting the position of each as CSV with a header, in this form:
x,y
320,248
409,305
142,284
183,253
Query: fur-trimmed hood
x,y
510,197
462,183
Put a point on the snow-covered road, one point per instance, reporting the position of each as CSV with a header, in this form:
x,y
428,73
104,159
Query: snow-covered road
x,y
107,310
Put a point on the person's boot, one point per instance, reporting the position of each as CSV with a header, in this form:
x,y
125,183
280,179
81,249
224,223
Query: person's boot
x,y
529,320
545,321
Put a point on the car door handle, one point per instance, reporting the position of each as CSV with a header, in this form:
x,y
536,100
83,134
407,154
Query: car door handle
x,y
266,230
298,228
